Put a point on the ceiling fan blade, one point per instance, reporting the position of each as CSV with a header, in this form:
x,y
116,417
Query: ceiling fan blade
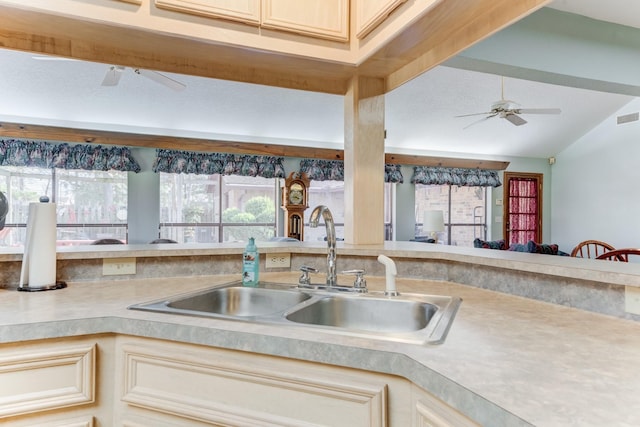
x,y
479,121
161,78
476,114
515,119
537,111
112,76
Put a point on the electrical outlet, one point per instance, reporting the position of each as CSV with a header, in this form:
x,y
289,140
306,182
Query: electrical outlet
x,y
632,299
117,266
278,261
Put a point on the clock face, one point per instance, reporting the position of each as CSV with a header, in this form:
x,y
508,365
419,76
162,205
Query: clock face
x,y
296,194
296,197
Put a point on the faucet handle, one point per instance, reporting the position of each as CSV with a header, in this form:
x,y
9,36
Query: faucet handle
x,y
305,279
360,283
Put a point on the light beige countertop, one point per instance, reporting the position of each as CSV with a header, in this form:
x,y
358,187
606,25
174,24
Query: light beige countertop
x,y
625,274
506,361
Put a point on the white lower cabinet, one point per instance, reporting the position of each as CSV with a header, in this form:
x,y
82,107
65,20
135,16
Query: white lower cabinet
x,y
168,384
54,383
231,388
118,380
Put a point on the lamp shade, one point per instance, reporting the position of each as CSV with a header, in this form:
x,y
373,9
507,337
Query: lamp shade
x,y
433,221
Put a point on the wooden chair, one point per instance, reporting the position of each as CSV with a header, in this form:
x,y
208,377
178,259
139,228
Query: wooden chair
x,y
621,255
153,242
107,242
591,249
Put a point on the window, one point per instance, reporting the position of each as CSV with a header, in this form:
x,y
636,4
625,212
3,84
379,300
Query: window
x,y
90,205
331,194
217,208
464,211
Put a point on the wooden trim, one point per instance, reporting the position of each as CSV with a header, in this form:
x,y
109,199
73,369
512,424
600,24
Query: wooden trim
x,y
450,162
54,133
538,177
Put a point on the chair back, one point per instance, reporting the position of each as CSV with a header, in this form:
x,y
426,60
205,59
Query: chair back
x,y
591,249
621,255
107,242
153,242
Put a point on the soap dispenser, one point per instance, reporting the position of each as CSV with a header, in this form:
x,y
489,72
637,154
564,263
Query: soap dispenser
x,y
250,264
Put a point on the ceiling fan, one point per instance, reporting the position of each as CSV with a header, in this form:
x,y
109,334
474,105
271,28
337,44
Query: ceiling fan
x,y
113,74
506,109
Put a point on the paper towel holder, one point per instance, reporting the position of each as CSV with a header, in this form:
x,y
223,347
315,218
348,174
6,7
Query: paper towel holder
x,y
24,287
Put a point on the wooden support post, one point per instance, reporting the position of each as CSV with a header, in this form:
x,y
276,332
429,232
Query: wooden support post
x,y
364,161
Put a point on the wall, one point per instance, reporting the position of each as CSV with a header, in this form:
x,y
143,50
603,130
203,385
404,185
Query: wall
x,y
594,189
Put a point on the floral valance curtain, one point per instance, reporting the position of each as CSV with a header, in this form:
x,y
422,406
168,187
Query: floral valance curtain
x,y
333,170
173,161
431,175
64,156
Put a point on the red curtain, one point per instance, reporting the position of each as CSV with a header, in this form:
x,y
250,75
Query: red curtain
x,y
523,210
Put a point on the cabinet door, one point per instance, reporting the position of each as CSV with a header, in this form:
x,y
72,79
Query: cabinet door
x,y
327,19
370,13
247,11
51,376
429,411
224,387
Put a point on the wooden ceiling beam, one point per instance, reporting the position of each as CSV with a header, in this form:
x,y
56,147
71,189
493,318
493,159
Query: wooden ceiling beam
x,y
446,30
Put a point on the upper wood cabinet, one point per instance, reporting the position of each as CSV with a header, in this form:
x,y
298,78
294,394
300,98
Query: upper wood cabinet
x,y
327,19
246,11
370,13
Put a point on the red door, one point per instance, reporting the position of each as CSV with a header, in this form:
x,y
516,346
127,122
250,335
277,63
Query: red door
x,y
522,207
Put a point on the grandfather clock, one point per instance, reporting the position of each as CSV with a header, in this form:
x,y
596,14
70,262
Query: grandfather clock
x,y
295,200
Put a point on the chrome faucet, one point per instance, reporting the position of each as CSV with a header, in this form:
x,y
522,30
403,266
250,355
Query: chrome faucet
x,y
332,279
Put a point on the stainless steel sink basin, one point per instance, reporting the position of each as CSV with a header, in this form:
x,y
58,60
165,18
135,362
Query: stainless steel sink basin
x,y
366,314
241,301
413,318
233,301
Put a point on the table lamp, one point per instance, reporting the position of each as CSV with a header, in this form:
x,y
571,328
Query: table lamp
x,y
433,223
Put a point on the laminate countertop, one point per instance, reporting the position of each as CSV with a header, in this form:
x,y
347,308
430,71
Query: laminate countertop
x,y
507,361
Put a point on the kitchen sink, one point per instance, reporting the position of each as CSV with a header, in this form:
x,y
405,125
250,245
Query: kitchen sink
x,y
413,318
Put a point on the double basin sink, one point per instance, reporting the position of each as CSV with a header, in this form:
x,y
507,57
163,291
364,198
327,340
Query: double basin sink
x,y
412,318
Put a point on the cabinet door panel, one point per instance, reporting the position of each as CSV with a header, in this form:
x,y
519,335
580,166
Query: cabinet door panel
x,y
370,13
430,411
327,19
209,387
247,11
48,378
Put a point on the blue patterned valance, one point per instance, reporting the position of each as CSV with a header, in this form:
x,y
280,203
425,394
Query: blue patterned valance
x,y
333,170
430,175
323,170
64,156
393,174
172,161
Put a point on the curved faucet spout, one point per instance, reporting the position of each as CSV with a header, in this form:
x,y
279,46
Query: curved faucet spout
x,y
324,211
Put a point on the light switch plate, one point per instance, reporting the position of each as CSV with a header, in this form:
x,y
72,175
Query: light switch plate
x,y
117,266
632,299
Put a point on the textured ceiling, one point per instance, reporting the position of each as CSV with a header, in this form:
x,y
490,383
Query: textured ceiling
x,y
419,115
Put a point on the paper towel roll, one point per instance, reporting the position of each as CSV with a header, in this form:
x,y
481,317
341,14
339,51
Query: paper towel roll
x,y
39,259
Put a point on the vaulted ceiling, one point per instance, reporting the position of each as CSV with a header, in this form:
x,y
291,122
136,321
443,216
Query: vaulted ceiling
x,y
420,115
